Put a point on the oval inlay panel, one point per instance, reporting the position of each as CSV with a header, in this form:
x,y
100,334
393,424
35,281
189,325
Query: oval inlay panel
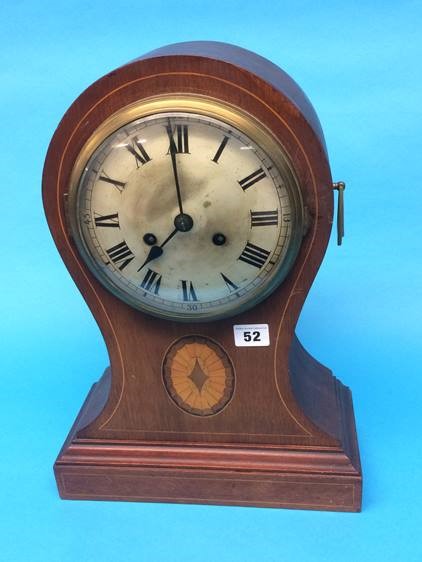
x,y
198,375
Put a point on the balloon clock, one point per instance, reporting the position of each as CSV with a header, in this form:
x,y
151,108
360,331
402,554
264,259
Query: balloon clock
x,y
189,194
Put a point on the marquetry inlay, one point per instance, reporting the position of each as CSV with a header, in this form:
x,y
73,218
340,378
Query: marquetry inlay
x,y
198,375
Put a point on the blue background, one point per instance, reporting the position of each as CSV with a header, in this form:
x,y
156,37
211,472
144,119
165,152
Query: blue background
x,y
360,64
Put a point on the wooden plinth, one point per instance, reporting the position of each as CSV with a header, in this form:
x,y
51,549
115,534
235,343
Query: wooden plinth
x,y
307,477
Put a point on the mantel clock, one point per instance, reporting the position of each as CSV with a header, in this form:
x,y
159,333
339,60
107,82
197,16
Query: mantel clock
x,y
189,194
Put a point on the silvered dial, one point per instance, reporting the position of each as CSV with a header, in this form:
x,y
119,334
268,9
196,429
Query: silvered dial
x,y
186,217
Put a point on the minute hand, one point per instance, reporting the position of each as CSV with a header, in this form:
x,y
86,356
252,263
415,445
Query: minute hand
x,y
173,151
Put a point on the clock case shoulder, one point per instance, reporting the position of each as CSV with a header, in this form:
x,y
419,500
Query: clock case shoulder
x,y
252,63
303,407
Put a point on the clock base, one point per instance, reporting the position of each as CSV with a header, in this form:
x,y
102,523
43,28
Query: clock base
x,y
234,474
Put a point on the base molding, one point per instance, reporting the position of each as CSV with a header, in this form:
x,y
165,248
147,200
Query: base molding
x,y
220,487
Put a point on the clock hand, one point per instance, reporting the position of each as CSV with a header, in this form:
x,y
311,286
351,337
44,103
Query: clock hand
x,y
173,151
156,251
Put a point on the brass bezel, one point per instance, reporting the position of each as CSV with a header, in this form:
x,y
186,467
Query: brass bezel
x,y
208,107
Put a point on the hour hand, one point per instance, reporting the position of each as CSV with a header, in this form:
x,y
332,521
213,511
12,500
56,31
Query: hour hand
x,y
156,251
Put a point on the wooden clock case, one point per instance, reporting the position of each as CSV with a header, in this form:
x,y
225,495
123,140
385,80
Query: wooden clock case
x,y
287,438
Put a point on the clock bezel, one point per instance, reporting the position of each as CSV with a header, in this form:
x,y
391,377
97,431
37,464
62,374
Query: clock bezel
x,y
206,107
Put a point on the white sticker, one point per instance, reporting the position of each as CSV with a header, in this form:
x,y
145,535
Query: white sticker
x,y
251,335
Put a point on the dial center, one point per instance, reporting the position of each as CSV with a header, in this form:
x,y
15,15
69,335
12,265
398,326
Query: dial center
x,y
183,222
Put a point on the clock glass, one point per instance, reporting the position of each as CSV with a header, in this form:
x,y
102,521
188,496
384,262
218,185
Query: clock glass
x,y
187,216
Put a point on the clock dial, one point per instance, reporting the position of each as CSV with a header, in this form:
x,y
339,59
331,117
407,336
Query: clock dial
x,y
187,217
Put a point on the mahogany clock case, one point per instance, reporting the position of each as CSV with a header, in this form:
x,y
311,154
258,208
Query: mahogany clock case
x,y
285,437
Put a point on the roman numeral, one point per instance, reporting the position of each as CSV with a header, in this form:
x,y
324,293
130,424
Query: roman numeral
x,y
220,149
139,152
120,253
119,185
151,282
107,220
254,255
230,285
188,291
264,218
179,140
253,178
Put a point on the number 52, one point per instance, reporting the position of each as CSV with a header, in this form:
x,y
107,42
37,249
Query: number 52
x,y
251,336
